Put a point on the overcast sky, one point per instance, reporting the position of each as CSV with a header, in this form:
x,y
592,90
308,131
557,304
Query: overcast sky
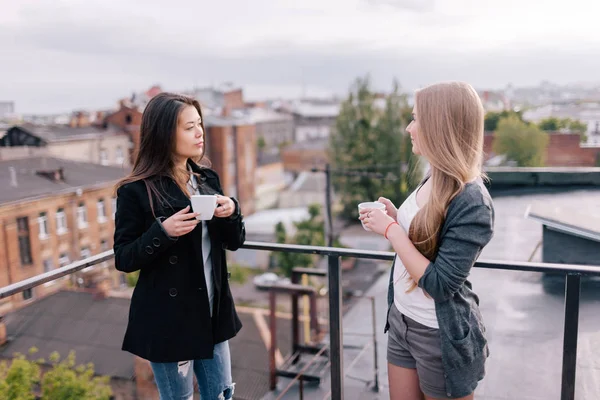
x,y
58,55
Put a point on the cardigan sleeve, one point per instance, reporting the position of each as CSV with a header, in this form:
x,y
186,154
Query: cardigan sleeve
x,y
469,227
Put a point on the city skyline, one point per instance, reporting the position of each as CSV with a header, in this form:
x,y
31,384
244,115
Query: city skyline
x,y
78,54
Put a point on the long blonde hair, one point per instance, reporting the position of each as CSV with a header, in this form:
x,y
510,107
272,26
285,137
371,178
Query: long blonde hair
x,y
450,117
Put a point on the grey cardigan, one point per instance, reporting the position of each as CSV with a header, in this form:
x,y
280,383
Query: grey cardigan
x,y
468,227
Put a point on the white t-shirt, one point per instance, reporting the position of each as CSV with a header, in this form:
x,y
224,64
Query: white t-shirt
x,y
206,255
415,305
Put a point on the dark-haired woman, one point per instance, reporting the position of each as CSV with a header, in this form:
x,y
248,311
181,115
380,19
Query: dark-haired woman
x,y
182,312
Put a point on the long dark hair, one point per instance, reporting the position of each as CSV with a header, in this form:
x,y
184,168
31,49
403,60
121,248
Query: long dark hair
x,y
154,158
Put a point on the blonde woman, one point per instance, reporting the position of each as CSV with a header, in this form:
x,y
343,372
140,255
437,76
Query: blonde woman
x,y
436,346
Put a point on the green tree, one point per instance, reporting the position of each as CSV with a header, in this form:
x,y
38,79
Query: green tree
x,y
260,143
550,124
575,126
18,380
523,143
309,232
64,381
369,139
492,118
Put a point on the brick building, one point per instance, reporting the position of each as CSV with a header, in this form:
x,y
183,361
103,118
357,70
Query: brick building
x,y
305,155
564,150
231,149
127,118
53,212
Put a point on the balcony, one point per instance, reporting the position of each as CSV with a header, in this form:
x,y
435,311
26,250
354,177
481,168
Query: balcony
x,y
340,378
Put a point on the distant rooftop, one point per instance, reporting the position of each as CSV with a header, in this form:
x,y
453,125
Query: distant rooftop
x,y
30,184
584,223
258,115
316,110
68,321
264,222
61,133
313,144
214,120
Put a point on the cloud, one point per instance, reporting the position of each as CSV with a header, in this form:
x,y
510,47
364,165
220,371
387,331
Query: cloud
x,y
413,5
74,54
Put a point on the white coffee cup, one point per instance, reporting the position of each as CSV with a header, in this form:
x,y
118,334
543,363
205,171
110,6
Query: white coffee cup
x,y
204,205
369,205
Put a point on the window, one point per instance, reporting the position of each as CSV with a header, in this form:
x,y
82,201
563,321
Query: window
x,y
63,259
120,158
48,265
85,252
43,225
114,207
27,294
101,210
24,241
103,157
61,221
82,219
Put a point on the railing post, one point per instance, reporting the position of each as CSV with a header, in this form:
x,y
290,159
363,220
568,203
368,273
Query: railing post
x,y
273,344
376,363
571,330
335,328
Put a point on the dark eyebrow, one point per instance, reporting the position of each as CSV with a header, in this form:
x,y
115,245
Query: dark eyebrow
x,y
193,122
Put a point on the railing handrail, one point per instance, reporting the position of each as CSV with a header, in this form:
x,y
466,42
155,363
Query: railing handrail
x,y
58,273
572,296
389,256
76,266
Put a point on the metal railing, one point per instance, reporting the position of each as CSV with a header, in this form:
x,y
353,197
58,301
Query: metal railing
x,y
573,275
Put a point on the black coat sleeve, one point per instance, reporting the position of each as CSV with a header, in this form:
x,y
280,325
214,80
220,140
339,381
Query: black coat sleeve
x,y
135,246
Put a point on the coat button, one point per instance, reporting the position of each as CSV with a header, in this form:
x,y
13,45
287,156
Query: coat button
x,y
173,260
149,250
172,292
156,242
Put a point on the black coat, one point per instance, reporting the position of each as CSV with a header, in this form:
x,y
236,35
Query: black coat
x,y
169,316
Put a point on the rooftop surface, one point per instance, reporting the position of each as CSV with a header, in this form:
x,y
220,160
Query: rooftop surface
x,y
30,185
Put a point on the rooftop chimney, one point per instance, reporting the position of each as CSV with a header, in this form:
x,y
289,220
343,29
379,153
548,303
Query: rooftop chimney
x,y
13,177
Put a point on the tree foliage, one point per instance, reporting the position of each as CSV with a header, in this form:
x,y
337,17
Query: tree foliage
x,y
523,143
63,381
370,137
492,118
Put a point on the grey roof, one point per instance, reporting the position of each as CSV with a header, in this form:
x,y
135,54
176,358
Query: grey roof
x,y
76,321
60,133
312,144
585,223
30,185
214,120
266,158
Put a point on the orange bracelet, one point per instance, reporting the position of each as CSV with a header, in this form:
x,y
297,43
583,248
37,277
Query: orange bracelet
x,y
388,227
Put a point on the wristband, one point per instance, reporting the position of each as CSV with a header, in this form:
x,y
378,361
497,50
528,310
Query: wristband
x,y
388,227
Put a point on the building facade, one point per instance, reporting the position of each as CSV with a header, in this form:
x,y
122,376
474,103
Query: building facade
x,y
54,212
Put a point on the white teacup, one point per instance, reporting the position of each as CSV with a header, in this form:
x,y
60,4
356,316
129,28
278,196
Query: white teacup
x,y
204,205
370,205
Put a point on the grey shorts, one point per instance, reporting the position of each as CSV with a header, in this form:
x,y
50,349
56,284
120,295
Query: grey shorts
x,y
416,346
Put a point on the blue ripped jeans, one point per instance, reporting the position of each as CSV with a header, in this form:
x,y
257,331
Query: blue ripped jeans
x,y
175,381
